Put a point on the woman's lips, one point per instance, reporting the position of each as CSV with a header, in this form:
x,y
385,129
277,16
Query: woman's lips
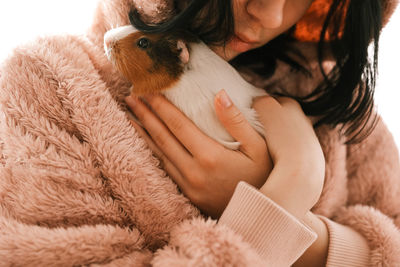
x,y
240,45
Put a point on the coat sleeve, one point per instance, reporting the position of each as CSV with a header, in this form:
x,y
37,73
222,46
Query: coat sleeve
x,y
71,160
276,235
252,231
364,232
280,239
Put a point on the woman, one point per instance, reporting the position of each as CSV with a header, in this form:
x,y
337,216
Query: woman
x,y
79,186
288,167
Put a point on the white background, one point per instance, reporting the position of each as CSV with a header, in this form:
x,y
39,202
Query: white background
x,y
23,20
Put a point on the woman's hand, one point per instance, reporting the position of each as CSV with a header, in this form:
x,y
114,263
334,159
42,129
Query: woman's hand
x,y
205,171
208,173
297,178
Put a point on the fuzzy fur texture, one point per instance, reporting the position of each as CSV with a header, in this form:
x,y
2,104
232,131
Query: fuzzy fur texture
x,y
78,186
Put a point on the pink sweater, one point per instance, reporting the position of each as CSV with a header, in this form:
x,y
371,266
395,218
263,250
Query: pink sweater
x,y
281,239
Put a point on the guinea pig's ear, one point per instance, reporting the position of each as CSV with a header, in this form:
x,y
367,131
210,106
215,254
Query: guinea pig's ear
x,y
184,52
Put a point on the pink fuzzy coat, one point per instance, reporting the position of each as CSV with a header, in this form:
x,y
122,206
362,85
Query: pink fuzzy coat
x,y
78,186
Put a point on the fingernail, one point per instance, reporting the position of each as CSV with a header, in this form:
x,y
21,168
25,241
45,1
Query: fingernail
x,y
131,101
224,99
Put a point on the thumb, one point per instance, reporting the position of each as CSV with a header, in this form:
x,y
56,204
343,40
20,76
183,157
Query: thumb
x,y
236,124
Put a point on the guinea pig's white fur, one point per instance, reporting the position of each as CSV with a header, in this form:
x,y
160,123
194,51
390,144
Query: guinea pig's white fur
x,y
204,75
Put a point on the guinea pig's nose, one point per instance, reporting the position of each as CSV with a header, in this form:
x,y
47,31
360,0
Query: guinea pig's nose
x,y
109,43
108,46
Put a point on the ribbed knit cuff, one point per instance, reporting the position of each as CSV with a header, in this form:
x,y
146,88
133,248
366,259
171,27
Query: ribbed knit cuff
x,y
277,236
346,246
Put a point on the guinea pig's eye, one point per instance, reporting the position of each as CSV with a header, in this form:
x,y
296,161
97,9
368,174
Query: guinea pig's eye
x,y
143,43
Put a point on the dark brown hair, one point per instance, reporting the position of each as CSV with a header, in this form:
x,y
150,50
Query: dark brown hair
x,y
345,97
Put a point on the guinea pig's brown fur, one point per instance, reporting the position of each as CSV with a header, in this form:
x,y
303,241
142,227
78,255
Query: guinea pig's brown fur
x,y
151,69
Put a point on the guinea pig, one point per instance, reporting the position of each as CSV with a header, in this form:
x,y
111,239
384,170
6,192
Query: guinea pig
x,y
188,74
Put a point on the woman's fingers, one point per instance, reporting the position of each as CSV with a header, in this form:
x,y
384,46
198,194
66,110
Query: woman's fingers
x,y
289,133
298,158
191,137
237,126
197,177
280,129
160,134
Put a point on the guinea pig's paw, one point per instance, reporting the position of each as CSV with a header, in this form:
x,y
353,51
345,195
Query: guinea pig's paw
x,y
230,145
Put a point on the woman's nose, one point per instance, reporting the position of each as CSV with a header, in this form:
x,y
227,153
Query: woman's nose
x,y
269,13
